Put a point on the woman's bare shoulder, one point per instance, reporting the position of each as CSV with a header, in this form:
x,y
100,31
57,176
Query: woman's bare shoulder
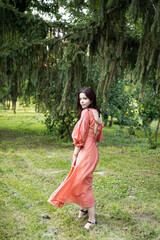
x,y
96,116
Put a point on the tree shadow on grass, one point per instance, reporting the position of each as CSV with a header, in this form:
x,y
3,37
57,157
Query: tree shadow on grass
x,y
31,138
10,138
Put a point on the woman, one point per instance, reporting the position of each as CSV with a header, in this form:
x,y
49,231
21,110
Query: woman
x,y
77,187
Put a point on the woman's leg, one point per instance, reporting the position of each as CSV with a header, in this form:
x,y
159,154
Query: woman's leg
x,y
91,218
91,213
82,212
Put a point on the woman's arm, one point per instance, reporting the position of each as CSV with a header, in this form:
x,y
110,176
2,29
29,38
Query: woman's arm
x,y
75,154
76,151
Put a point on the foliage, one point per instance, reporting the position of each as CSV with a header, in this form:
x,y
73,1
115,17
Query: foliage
x,y
51,59
149,110
105,29
60,125
122,106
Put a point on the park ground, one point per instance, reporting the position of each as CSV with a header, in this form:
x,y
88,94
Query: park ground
x,y
33,164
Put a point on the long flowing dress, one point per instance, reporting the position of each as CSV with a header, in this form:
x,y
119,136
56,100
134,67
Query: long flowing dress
x,y
77,187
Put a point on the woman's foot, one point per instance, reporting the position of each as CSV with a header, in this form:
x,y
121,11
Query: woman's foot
x,y
82,212
89,224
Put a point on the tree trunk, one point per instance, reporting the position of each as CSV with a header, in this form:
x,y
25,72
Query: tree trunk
x,y
68,131
8,104
36,107
14,89
111,122
14,106
156,133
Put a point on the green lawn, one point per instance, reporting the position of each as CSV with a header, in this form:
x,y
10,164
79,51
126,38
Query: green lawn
x,y
33,164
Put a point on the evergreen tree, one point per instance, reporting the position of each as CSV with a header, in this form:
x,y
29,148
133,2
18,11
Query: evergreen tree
x,y
56,57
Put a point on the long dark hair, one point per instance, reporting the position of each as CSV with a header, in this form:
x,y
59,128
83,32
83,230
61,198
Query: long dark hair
x,y
89,92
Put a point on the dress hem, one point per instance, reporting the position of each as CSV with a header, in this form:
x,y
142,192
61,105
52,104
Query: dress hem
x,y
60,204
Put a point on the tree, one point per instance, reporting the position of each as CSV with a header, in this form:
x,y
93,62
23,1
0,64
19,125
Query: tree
x,y
149,110
122,106
57,57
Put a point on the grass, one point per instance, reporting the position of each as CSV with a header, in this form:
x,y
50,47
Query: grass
x,y
33,164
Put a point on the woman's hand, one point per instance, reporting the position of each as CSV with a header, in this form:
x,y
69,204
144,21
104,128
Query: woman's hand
x,y
74,159
75,154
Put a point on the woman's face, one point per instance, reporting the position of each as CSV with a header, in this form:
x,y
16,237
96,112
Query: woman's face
x,y
84,100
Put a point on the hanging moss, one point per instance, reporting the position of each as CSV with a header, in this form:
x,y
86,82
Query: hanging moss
x,y
56,58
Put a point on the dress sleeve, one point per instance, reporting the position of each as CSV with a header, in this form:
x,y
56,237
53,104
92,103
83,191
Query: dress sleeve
x,y
80,131
99,136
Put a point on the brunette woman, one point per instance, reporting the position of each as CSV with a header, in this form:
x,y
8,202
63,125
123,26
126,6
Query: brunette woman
x,y
77,187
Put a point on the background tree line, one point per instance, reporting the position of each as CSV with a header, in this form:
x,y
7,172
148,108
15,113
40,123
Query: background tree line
x,y
110,45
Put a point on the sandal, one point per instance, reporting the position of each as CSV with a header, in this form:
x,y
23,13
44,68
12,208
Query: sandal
x,y
84,212
90,224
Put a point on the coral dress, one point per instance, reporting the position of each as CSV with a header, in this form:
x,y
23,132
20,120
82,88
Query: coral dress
x,y
77,187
